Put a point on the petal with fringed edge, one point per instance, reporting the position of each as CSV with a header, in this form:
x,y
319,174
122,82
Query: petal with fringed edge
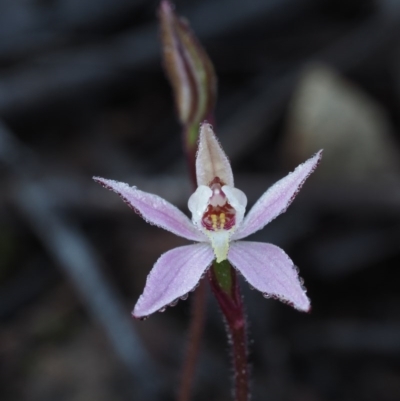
x,y
175,273
155,210
268,269
276,199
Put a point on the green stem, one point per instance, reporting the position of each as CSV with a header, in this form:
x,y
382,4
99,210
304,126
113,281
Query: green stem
x,y
225,286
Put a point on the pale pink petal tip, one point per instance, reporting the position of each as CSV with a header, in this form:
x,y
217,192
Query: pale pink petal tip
x,y
268,269
155,210
174,275
277,198
211,160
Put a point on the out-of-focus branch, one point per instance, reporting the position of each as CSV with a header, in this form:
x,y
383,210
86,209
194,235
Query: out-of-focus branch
x,y
63,74
73,16
70,250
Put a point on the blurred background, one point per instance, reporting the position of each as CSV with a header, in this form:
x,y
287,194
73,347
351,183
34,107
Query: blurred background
x,y
83,93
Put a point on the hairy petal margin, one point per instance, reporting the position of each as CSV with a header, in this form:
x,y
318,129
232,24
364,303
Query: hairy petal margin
x,y
268,269
155,210
276,199
175,273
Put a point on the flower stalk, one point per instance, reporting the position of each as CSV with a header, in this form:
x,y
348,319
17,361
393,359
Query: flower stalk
x,y
224,284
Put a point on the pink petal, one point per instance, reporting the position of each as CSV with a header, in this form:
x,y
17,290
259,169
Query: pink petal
x,y
155,210
175,273
268,269
211,160
276,199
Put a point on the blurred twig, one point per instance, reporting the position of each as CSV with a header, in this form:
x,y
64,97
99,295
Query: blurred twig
x,y
196,330
71,251
63,74
26,31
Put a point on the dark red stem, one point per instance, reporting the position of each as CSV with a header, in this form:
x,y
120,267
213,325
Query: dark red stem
x,y
232,308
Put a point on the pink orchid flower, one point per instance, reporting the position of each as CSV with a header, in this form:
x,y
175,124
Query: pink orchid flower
x,y
218,224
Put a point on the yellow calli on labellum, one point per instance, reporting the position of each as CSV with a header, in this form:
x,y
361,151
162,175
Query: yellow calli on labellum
x,y
218,224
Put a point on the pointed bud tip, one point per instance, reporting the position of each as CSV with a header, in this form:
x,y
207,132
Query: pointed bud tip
x,y
166,7
188,68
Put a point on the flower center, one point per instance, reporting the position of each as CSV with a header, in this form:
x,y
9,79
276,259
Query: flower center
x,y
219,215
